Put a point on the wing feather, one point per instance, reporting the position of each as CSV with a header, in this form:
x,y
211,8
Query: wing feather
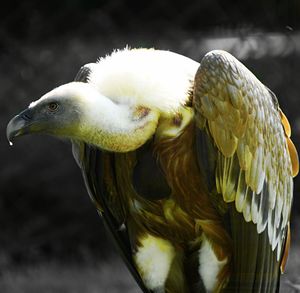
x,y
256,158
244,121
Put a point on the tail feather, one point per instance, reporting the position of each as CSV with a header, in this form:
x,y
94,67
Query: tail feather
x,y
255,267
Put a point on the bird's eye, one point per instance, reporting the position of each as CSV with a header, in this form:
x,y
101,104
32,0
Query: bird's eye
x,y
53,106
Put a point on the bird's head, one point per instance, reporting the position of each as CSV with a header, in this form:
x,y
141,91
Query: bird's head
x,y
78,111
119,107
58,113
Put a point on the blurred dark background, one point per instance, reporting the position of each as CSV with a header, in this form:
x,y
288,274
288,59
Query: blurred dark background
x,y
51,238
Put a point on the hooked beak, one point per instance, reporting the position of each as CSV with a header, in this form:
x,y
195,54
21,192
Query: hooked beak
x,y
19,125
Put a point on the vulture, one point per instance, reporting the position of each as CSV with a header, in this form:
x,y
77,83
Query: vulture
x,y
189,164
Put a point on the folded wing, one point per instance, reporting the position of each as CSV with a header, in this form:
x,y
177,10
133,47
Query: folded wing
x,y
254,160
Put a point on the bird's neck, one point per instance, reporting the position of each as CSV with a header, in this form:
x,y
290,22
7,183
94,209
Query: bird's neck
x,y
119,128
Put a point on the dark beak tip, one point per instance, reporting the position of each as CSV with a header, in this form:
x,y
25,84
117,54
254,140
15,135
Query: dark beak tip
x,y
14,128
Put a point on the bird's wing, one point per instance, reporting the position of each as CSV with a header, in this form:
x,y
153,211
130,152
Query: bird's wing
x,y
97,167
245,151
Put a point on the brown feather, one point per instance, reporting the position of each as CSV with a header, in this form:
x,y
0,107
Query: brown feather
x,y
177,159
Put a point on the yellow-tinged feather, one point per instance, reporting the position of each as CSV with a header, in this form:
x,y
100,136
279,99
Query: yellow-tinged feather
x,y
225,175
254,209
230,192
235,95
241,193
285,123
244,155
247,206
208,108
294,157
255,177
291,147
222,106
229,183
260,174
227,142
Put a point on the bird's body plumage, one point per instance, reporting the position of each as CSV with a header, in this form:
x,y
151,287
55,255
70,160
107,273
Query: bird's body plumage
x,y
195,182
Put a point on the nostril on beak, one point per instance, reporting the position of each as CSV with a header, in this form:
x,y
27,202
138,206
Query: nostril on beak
x,y
26,115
